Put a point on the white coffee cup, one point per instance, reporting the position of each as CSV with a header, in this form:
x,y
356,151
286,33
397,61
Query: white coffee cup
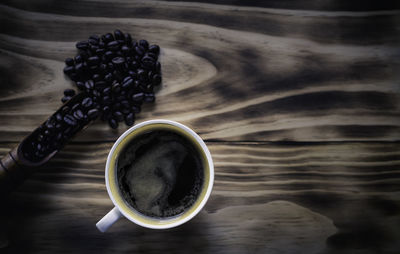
x,y
122,208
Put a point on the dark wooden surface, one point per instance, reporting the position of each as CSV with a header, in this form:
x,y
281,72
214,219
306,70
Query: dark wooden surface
x,y
298,102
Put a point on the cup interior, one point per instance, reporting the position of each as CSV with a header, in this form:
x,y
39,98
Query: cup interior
x,y
112,182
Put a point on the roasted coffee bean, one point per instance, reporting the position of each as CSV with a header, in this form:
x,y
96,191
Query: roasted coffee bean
x,y
118,35
46,132
94,60
94,37
83,45
78,114
58,117
113,46
128,38
156,80
69,61
125,111
75,106
79,68
106,100
116,106
113,123
87,102
69,92
100,85
80,85
96,77
70,120
136,109
125,50
139,51
58,126
149,97
116,87
125,103
65,110
138,97
89,85
107,37
93,48
118,116
144,44
69,69
65,99
106,91
100,51
118,61
93,114
154,49
130,119
127,84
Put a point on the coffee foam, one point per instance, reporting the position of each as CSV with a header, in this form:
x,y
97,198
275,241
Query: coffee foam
x,y
148,172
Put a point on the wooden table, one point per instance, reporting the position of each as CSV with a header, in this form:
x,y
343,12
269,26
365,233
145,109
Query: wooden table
x,y
298,102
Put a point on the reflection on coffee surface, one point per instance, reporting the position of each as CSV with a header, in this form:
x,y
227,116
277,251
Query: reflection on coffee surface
x,y
160,173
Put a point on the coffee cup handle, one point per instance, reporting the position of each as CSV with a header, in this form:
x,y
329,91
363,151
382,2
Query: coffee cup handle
x,y
110,218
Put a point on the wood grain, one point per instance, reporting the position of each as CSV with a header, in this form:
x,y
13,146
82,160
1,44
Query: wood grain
x,y
298,102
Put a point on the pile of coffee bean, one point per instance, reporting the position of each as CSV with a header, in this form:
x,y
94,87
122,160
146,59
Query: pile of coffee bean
x,y
115,76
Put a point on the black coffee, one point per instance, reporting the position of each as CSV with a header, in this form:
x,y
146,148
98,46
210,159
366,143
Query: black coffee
x,y
160,173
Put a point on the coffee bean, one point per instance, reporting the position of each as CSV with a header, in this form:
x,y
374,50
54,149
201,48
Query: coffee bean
x,y
106,91
125,111
100,51
113,123
116,87
58,117
69,92
78,59
83,45
87,102
136,109
69,61
78,114
58,126
100,85
127,84
118,116
139,51
128,39
149,97
80,85
79,68
93,114
118,35
106,100
69,69
65,110
118,61
70,120
75,106
130,119
125,50
94,60
125,103
107,37
138,97
89,85
154,49
94,37
113,46
144,44
116,106
156,80
65,99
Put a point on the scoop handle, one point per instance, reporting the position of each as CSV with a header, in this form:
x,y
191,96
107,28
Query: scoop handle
x,y
12,174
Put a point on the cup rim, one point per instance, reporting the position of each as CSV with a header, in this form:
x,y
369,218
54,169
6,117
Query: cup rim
x,y
200,142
